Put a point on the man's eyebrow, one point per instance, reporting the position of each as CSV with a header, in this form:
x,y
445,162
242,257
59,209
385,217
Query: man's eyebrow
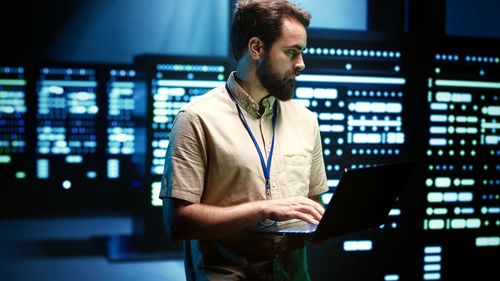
x,y
296,46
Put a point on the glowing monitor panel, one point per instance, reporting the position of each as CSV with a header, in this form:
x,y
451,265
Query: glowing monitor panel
x,y
462,163
66,126
84,138
357,89
125,136
174,81
171,83
13,115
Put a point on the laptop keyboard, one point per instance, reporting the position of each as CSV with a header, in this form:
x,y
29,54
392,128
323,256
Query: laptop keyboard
x,y
305,228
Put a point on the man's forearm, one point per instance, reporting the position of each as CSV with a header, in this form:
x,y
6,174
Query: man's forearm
x,y
199,221
184,220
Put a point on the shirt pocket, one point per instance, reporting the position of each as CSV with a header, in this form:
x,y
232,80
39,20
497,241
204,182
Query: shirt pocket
x,y
298,172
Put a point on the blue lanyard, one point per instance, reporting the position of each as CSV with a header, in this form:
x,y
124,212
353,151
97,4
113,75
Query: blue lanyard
x,y
265,168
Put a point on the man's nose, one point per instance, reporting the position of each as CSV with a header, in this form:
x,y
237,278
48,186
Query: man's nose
x,y
299,64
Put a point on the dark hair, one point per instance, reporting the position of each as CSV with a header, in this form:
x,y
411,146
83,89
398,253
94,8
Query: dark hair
x,y
262,19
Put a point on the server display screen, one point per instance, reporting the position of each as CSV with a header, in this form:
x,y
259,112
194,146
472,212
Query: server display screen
x,y
358,91
13,113
66,125
462,165
86,126
125,135
174,85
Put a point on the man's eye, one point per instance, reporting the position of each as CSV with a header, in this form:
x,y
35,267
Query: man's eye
x,y
292,53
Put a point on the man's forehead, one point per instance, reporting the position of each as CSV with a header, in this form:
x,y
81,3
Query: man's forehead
x,y
293,35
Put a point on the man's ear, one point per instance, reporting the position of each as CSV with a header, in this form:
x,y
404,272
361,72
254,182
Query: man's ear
x,y
256,48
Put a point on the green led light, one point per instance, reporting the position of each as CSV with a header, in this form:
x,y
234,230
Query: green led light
x,y
20,175
428,182
473,153
443,182
458,223
440,152
4,159
473,223
467,84
431,167
491,241
437,70
436,224
12,82
429,152
155,191
467,182
440,211
472,119
434,197
491,110
220,77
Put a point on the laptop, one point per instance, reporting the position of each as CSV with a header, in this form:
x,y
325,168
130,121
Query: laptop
x,y
362,200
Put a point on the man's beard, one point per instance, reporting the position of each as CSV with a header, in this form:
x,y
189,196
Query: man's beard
x,y
281,87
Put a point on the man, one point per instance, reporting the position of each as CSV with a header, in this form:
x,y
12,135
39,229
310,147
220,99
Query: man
x,y
244,155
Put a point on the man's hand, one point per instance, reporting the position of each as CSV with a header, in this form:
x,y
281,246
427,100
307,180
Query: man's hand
x,y
301,208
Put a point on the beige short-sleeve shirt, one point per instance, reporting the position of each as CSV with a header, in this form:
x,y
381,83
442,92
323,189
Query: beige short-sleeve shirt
x,y
211,159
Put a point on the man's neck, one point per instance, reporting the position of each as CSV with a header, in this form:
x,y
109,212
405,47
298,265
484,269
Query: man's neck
x,y
249,81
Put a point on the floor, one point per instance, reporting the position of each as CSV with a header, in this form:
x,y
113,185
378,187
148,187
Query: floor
x,y
66,249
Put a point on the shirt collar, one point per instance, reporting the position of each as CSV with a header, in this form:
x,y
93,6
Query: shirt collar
x,y
246,102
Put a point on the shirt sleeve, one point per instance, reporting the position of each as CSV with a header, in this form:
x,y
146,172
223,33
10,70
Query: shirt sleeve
x,y
318,182
185,160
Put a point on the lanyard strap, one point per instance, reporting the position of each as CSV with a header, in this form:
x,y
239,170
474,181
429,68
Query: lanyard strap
x,y
265,168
